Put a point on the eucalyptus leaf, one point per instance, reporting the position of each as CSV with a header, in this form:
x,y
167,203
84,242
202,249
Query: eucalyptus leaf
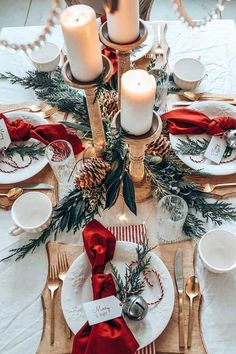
x,y
129,193
112,193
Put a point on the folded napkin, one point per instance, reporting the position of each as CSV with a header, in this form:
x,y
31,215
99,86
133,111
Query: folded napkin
x,y
20,130
110,337
110,52
189,121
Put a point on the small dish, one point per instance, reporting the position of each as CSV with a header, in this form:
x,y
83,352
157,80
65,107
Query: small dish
x,y
188,73
46,58
217,250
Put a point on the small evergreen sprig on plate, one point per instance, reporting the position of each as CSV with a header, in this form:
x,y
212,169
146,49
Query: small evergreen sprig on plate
x,y
133,283
34,150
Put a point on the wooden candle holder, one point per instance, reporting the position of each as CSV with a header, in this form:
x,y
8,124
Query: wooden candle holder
x,y
123,50
137,144
94,111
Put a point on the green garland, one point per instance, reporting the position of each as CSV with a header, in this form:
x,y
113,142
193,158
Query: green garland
x,y
81,206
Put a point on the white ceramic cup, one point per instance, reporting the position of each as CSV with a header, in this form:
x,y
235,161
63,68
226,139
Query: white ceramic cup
x,y
217,250
46,58
31,213
188,73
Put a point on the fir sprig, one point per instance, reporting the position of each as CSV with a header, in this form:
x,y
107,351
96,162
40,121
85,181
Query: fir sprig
x,y
34,151
196,147
134,283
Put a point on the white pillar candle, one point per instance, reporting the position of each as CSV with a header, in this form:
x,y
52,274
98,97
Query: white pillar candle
x,y
79,28
123,25
138,89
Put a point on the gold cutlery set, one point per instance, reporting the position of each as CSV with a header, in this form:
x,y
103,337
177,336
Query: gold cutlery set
x,y
192,290
57,274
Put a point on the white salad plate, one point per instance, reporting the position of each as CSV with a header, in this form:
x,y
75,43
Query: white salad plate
x,y
36,165
77,290
212,109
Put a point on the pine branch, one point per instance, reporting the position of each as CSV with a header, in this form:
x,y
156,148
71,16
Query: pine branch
x,y
133,283
196,147
34,150
193,226
191,147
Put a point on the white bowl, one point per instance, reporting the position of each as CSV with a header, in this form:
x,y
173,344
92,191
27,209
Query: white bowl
x,y
46,58
217,250
188,73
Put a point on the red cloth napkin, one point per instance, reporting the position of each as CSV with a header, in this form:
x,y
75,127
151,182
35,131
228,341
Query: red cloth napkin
x,y
189,121
110,52
20,130
110,337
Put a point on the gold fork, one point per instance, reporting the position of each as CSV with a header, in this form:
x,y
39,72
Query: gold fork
x,y
208,187
53,285
63,268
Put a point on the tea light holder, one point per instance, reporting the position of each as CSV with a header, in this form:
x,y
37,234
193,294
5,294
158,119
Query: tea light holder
x,y
137,144
95,116
123,50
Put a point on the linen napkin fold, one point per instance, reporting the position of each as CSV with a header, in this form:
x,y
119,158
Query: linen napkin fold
x,y
189,121
20,130
113,337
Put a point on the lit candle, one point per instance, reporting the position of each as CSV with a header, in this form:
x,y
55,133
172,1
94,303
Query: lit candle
x,y
138,89
82,42
123,25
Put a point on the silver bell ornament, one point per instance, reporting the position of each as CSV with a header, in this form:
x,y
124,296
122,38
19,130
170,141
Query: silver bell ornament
x,y
135,308
231,138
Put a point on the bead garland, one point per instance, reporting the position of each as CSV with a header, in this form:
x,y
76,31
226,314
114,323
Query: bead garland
x,y
184,16
53,15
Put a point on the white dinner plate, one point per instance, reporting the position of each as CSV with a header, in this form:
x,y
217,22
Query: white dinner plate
x,y
212,109
36,165
77,290
145,47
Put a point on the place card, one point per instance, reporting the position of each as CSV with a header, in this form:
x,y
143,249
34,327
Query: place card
x,y
5,139
216,149
102,310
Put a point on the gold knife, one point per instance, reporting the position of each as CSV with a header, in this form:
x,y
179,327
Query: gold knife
x,y
179,279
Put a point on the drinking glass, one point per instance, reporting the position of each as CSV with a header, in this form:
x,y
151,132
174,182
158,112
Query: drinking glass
x,y
162,80
61,158
171,214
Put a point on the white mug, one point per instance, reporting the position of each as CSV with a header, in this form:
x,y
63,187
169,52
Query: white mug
x,y
188,73
46,58
217,250
31,213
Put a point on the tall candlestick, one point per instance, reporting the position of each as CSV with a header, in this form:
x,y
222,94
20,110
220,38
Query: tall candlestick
x,y
123,25
78,24
138,89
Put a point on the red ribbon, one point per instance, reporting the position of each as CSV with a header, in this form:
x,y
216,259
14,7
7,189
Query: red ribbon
x,y
189,121
110,337
20,130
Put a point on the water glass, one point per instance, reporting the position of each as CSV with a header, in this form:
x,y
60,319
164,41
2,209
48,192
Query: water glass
x,y
171,214
61,158
162,80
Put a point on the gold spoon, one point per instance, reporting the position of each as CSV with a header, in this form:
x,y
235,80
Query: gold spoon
x,y
194,96
13,193
192,289
31,108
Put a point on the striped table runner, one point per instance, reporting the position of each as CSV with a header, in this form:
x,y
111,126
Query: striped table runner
x,y
133,233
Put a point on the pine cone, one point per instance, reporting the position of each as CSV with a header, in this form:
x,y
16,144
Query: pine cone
x,y
92,174
160,147
109,103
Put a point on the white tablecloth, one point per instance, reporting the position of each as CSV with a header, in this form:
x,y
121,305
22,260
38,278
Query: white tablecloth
x,y
21,283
